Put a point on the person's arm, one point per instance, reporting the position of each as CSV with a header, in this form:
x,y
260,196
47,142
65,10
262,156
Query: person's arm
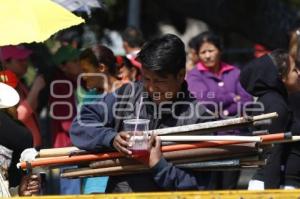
x,y
32,98
244,96
30,104
240,99
168,176
92,129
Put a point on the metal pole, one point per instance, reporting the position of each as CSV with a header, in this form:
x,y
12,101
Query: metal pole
x,y
133,18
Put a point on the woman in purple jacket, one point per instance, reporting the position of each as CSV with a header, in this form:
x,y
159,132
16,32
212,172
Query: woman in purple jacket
x,y
216,84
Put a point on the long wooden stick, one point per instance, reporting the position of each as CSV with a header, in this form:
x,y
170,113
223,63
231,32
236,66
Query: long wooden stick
x,y
65,151
208,127
191,138
186,129
91,172
184,154
293,139
215,157
104,156
64,160
125,169
209,164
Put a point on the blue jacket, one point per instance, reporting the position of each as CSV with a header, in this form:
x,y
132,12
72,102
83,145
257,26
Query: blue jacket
x,y
90,133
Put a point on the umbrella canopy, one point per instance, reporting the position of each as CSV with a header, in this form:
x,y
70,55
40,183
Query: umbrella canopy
x,y
32,20
80,5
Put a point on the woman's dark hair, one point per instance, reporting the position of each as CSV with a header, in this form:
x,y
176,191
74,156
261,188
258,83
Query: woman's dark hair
x,y
210,37
281,59
100,55
164,55
194,41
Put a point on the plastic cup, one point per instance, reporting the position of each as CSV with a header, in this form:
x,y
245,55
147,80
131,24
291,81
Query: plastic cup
x,y
139,138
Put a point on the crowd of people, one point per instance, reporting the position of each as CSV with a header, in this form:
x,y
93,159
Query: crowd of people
x,y
153,75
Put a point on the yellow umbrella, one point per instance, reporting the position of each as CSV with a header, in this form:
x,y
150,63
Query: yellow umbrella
x,y
26,21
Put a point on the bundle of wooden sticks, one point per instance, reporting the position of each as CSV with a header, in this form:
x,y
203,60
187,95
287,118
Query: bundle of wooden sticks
x,y
190,149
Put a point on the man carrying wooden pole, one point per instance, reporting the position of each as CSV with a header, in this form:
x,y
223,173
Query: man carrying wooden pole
x,y
162,98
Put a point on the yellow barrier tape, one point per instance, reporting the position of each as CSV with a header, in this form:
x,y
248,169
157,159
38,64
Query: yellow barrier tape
x,y
270,194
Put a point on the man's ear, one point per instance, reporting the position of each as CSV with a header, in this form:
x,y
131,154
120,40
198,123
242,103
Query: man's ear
x,y
181,75
101,68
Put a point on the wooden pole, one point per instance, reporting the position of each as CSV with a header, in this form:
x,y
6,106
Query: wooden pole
x,y
191,138
184,154
186,130
105,156
215,126
105,171
64,160
129,169
215,157
65,151
293,139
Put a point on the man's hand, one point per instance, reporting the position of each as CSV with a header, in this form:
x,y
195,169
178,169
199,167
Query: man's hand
x,y
30,185
155,150
121,143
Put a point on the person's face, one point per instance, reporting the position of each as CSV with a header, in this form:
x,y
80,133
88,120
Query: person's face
x,y
18,66
209,55
292,80
162,89
72,68
93,79
126,74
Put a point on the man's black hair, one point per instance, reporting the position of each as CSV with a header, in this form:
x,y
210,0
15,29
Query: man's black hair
x,y
164,55
133,37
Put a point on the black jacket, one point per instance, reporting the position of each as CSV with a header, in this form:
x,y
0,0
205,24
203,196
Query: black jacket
x,y
15,136
261,79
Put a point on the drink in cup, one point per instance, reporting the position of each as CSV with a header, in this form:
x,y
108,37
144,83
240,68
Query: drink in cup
x,y
139,138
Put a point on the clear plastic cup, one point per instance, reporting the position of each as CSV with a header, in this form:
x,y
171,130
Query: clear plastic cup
x,y
139,138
